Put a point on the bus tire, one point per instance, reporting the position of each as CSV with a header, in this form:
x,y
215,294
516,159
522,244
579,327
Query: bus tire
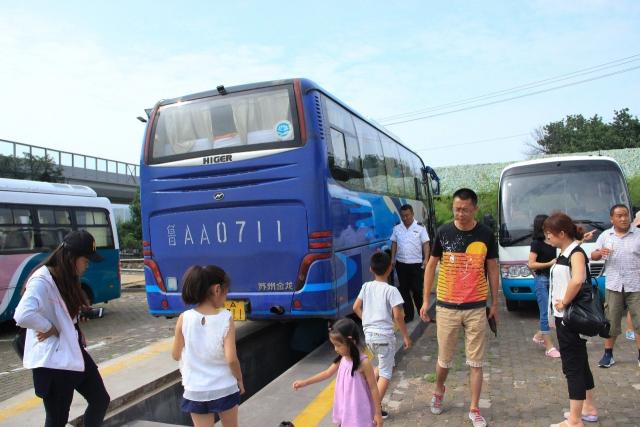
x,y
512,305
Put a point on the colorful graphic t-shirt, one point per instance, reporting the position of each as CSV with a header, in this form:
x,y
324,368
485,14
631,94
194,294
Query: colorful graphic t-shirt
x,y
462,280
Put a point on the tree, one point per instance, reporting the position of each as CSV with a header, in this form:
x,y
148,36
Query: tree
x,y
577,134
36,168
130,232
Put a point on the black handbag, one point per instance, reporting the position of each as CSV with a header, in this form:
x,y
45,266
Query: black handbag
x,y
585,314
18,342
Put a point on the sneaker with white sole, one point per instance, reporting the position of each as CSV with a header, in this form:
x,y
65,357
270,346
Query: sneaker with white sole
x,y
476,419
606,361
436,403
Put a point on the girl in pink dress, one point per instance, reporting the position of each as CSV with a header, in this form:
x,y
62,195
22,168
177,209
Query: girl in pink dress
x,y
356,402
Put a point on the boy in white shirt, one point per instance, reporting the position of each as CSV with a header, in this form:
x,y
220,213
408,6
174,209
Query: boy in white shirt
x,y
378,304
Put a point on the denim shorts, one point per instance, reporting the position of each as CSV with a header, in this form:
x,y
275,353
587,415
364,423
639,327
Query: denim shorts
x,y
217,405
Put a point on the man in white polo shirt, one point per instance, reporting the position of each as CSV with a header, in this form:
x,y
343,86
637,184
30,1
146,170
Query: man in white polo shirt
x,y
620,247
409,255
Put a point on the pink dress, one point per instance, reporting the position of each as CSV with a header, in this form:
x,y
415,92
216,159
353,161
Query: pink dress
x,y
352,403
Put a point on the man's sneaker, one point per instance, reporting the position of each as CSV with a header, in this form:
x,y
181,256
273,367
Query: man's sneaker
x,y
385,414
476,419
630,335
606,361
436,403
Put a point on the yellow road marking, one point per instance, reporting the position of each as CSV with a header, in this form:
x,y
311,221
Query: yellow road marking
x,y
19,408
32,402
319,407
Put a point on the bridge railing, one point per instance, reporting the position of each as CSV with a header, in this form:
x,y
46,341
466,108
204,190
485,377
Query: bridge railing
x,y
68,159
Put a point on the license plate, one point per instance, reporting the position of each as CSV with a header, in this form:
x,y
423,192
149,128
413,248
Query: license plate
x,y
237,309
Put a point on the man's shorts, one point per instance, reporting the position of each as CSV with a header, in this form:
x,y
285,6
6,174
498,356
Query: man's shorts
x,y
448,324
384,348
614,307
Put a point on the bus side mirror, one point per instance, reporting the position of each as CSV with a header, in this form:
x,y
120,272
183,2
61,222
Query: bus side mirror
x,y
435,187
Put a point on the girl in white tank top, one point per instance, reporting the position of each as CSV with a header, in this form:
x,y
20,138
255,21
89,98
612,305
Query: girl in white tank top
x,y
205,345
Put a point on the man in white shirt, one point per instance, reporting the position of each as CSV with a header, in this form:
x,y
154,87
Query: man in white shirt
x,y
409,255
620,247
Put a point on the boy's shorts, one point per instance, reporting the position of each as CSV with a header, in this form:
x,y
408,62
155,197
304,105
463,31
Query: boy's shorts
x,y
384,348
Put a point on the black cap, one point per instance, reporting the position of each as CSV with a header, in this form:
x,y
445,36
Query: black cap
x,y
82,243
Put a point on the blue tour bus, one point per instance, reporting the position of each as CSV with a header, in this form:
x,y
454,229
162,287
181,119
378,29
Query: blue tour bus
x,y
34,218
584,187
283,186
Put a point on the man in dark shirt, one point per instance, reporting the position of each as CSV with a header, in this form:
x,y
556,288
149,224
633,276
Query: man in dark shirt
x,y
462,248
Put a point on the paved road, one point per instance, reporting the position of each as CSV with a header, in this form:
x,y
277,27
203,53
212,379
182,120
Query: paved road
x,y
522,387
125,327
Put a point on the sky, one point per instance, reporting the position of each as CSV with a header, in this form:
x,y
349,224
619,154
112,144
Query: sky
x,y
74,75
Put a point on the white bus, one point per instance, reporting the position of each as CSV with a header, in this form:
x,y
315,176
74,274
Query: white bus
x,y
583,187
35,217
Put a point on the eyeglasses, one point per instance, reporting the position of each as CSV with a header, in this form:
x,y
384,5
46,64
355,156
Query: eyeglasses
x,y
464,211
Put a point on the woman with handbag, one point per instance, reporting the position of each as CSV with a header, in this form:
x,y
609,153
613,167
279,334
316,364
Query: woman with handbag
x,y
54,346
567,276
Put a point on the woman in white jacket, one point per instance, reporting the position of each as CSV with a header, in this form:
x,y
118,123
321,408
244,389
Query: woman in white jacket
x,y
54,346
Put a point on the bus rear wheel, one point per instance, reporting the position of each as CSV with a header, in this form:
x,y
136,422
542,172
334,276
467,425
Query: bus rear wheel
x,y
512,305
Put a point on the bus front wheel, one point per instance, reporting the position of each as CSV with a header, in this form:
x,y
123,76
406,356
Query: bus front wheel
x,y
512,305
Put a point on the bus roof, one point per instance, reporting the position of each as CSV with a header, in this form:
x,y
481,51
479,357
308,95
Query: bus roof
x,y
307,85
571,158
25,186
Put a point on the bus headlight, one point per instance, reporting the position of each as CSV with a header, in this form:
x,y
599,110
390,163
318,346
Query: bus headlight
x,y
515,270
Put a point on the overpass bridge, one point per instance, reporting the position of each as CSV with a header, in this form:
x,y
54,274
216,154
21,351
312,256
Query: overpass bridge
x,y
113,179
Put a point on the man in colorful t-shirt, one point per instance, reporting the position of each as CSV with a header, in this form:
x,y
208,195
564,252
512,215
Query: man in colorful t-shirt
x,y
467,253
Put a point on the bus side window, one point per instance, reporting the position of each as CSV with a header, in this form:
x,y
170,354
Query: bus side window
x,y
374,172
96,222
392,162
406,163
416,169
344,155
337,152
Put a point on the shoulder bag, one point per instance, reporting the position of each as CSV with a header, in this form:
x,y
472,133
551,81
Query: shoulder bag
x,y
585,315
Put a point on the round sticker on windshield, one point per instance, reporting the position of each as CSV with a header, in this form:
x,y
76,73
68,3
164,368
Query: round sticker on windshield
x,y
283,129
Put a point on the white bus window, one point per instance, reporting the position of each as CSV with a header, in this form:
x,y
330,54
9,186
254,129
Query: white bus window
x,y
15,239
46,217
103,236
6,217
50,238
21,216
62,217
91,217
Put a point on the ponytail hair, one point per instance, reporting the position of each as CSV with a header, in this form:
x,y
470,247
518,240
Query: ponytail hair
x,y
347,332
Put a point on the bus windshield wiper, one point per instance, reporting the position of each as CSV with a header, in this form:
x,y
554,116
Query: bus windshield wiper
x,y
596,224
519,239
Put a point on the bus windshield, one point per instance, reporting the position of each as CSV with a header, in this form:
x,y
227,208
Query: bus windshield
x,y
250,120
585,194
